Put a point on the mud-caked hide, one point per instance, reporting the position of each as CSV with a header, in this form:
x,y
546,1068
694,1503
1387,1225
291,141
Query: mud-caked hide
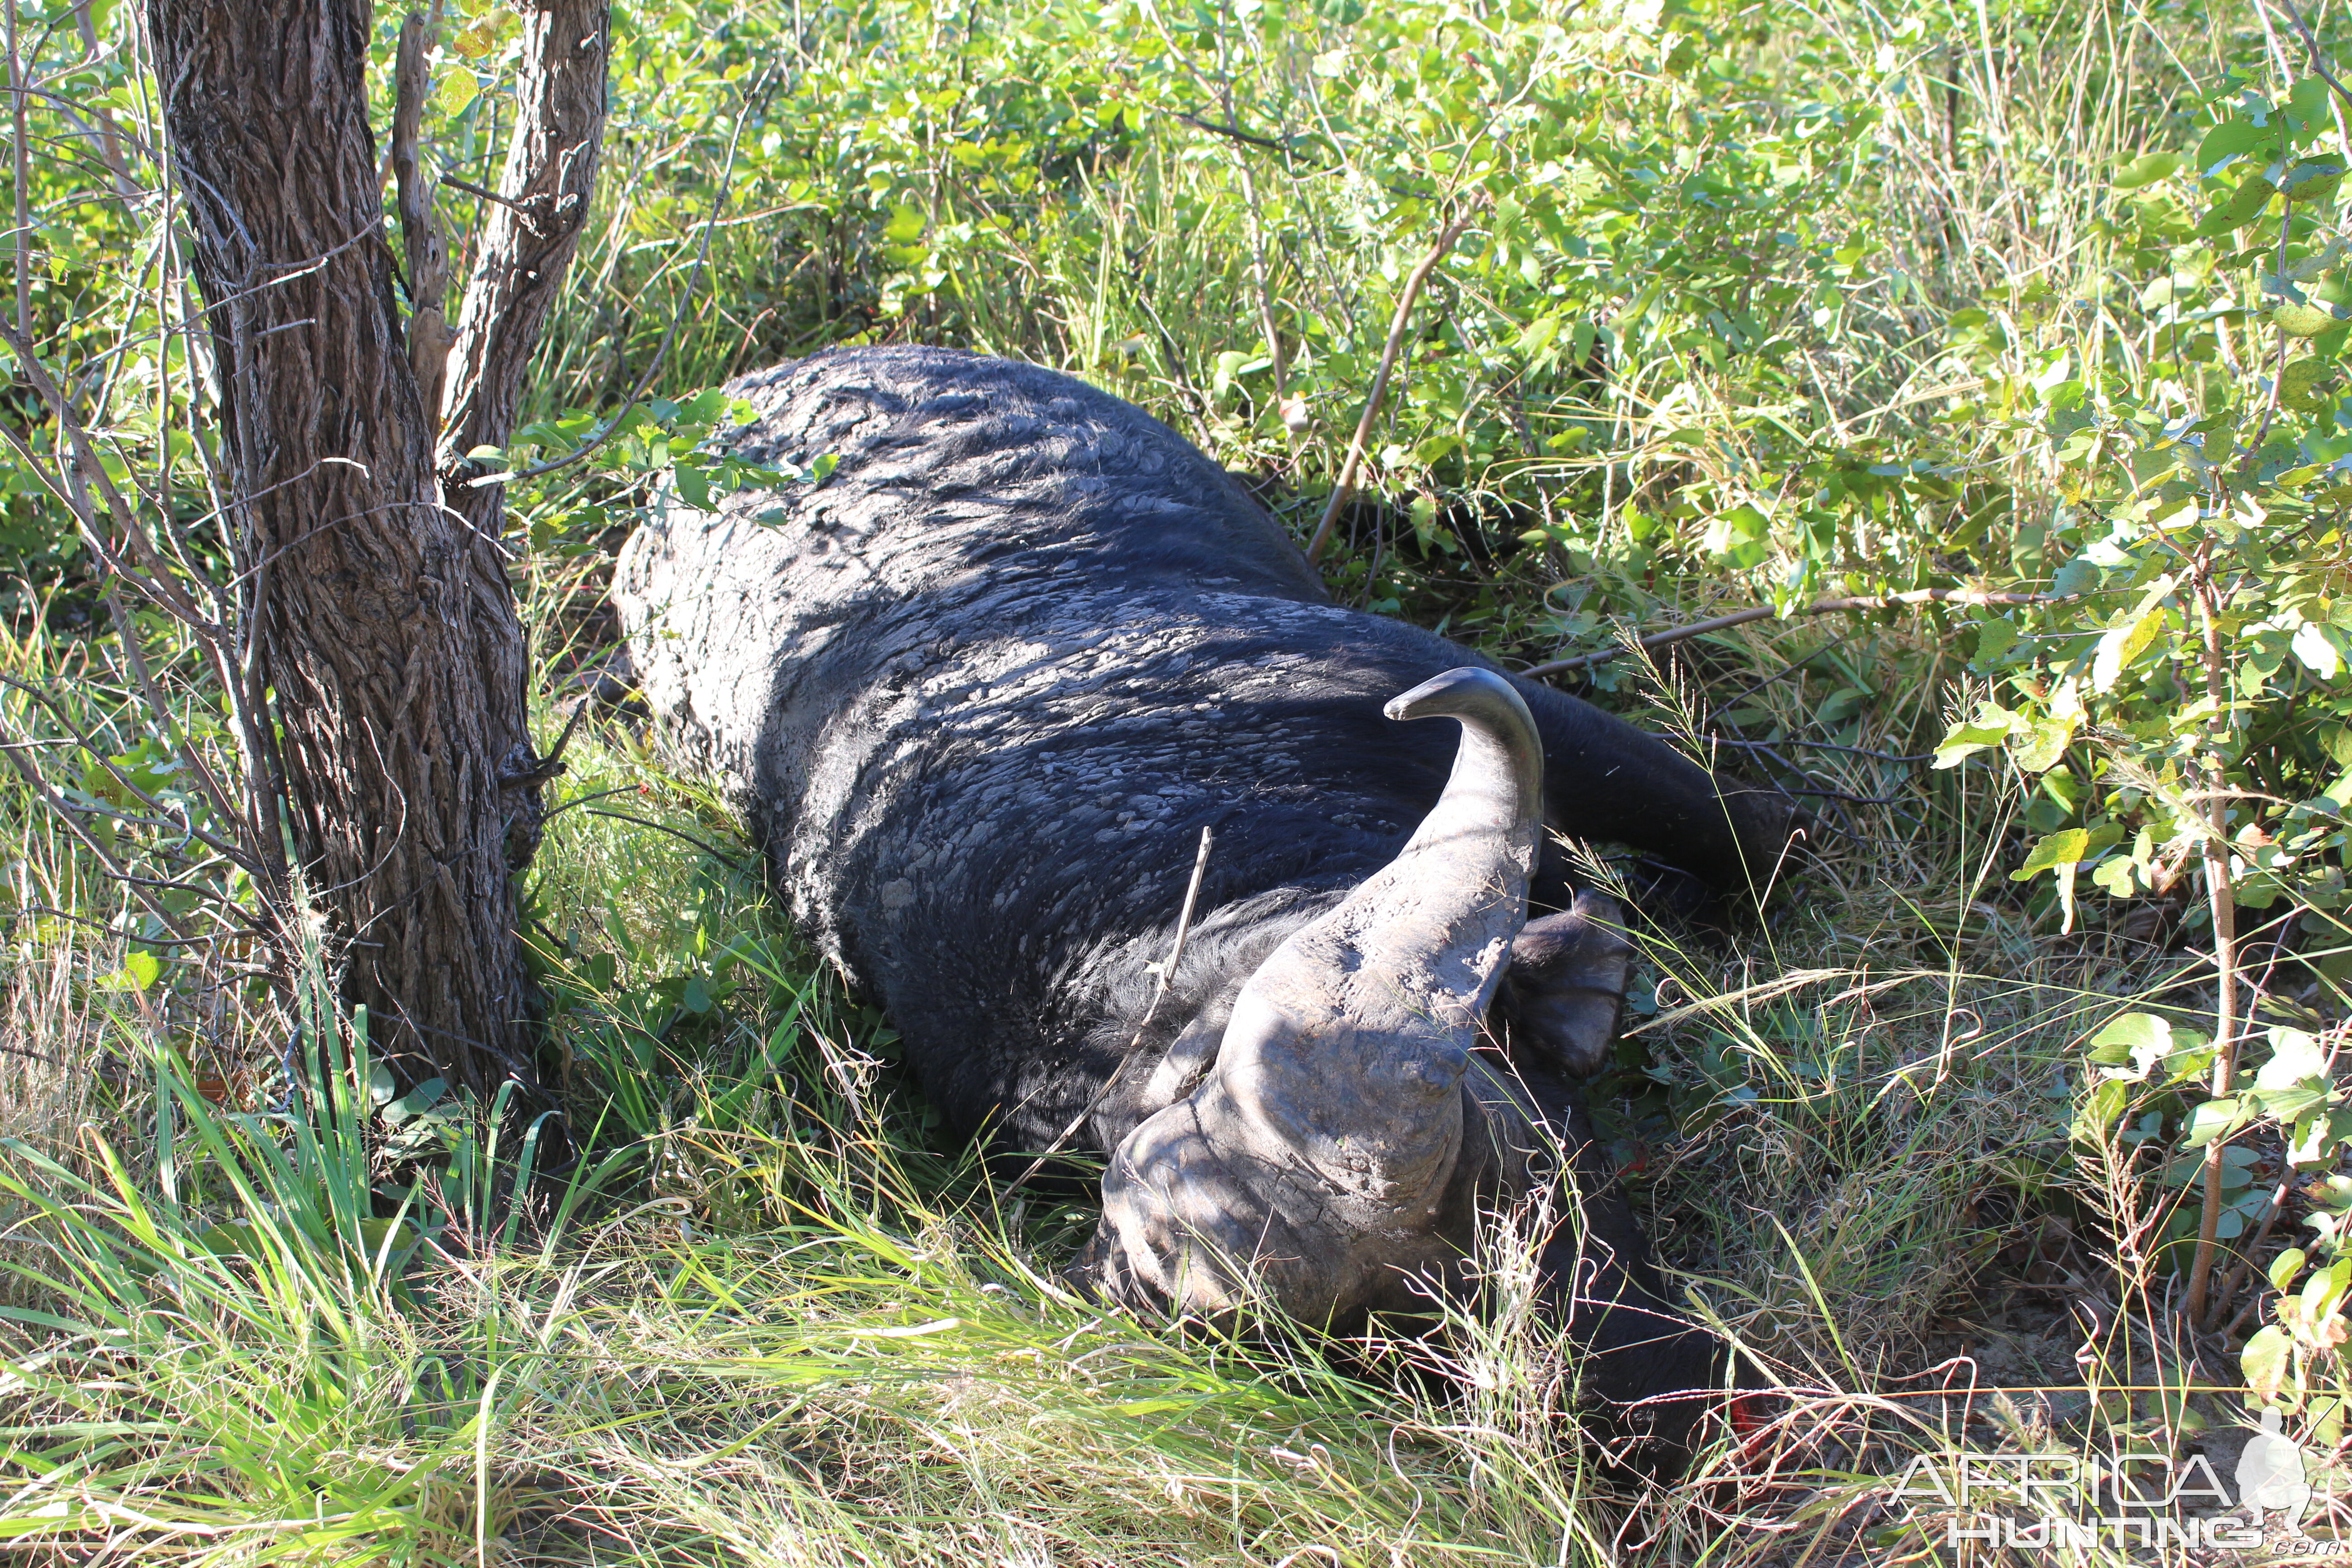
x,y
980,693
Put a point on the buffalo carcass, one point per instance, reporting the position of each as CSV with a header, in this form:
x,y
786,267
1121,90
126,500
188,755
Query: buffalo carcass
x,y
978,694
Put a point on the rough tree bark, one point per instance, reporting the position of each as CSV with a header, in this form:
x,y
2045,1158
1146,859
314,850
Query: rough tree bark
x,y
377,612
526,246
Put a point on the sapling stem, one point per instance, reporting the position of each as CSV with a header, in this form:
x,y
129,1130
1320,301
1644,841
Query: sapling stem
x,y
1406,299
2222,898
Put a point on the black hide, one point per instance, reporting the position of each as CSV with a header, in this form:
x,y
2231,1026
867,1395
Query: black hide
x,y
980,693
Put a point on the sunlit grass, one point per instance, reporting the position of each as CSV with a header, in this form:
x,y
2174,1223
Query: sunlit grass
x,y
789,1328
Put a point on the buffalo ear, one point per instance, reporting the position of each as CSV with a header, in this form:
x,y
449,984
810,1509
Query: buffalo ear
x,y
1560,999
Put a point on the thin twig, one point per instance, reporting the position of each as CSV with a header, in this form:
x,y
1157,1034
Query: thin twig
x,y
712,850
24,246
1819,746
2221,896
159,586
64,813
1820,607
1233,132
1839,795
2237,1277
472,189
234,854
2277,1205
1167,976
2311,44
50,911
1389,352
561,807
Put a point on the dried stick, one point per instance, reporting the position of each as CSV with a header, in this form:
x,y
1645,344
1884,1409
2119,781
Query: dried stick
x,y
1413,282
1820,607
23,246
110,141
1167,975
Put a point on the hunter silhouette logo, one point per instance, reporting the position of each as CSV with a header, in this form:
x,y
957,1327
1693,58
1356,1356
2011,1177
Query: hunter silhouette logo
x,y
2271,1476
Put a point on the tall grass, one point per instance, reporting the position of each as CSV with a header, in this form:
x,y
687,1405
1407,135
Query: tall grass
x,y
789,1328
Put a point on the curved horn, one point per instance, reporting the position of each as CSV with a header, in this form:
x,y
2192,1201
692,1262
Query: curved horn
x,y
1324,1152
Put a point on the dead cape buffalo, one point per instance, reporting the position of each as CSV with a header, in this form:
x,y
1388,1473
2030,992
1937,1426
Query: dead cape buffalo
x,y
978,692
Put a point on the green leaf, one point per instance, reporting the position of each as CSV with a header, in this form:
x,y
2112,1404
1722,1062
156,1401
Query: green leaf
x,y
2304,321
2331,1195
1229,367
2104,1106
381,1084
2245,205
475,40
2123,645
2317,1137
2295,1059
232,1239
2062,854
2300,382
2285,1266
2045,741
2116,876
1994,637
139,971
1991,727
2070,846
2307,101
2143,1040
2290,1105
2190,1060
693,485
454,91
2233,139
2265,1361
1538,334
2079,575
417,1100
2215,1119
2318,651
1739,537
2315,180
391,1239
2147,169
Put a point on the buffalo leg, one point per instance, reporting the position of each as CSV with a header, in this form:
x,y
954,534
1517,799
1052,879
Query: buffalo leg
x,y
1604,779
1648,1374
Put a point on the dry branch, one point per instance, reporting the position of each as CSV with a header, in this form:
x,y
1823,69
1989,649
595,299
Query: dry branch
x,y
527,241
1411,296
1818,608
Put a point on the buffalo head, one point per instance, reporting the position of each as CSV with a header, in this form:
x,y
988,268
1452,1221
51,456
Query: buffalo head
x,y
1333,1156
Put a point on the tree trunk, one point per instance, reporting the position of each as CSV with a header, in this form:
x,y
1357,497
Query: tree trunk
x,y
377,616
